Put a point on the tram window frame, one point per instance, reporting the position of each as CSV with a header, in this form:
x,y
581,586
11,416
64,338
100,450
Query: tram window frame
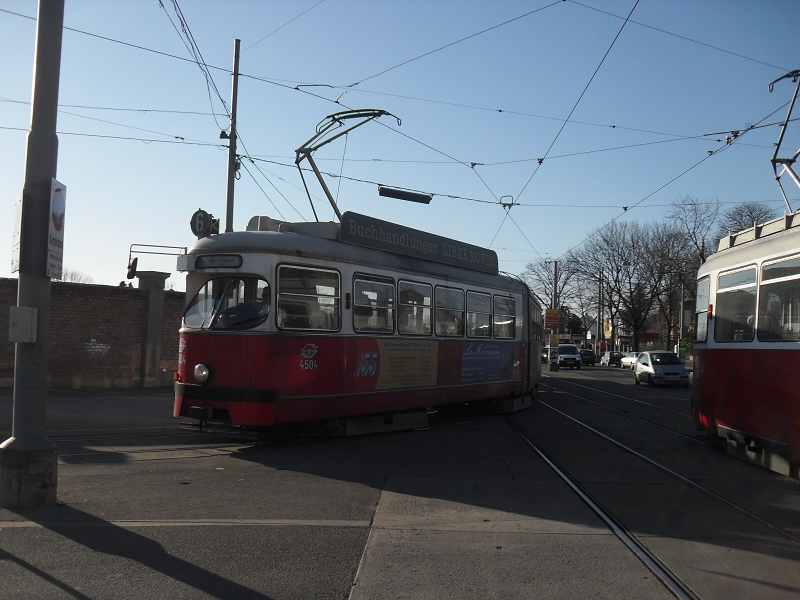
x,y
472,324
779,301
302,316
735,307
449,315
498,327
701,309
221,306
374,308
416,310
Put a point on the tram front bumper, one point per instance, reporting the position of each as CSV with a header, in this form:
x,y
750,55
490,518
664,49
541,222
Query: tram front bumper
x,y
239,406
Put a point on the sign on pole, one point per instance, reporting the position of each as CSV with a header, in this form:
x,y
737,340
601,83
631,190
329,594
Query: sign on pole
x,y
551,318
55,239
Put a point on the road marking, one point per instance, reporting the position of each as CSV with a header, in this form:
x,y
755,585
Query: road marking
x,y
130,524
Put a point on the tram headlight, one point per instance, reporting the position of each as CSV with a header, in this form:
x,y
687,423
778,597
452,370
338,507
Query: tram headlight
x,y
201,373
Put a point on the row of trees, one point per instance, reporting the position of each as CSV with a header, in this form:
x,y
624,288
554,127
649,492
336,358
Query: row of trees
x,y
639,272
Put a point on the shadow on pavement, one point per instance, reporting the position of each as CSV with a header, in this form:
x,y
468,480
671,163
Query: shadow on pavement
x,y
107,538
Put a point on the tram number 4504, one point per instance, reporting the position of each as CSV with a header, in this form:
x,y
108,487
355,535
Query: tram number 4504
x,y
307,364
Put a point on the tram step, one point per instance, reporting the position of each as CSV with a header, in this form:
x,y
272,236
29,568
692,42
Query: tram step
x,y
764,457
379,423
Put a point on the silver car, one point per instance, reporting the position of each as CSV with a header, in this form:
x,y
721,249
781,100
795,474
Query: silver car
x,y
660,367
569,356
629,360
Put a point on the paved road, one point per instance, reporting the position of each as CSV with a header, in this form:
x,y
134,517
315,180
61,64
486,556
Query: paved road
x,y
464,509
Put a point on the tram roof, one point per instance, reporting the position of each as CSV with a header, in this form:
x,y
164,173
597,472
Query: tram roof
x,y
320,241
757,242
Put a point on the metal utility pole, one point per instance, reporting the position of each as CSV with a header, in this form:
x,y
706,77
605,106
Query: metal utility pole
x,y
28,467
555,293
232,140
600,328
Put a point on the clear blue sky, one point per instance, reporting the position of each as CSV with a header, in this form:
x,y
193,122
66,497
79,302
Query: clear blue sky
x,y
677,71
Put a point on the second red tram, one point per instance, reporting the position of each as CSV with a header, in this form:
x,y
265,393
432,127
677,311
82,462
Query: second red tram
x,y
747,344
295,322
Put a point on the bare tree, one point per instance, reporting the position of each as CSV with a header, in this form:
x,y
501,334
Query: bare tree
x,y
675,251
597,266
697,219
75,276
743,216
539,275
624,253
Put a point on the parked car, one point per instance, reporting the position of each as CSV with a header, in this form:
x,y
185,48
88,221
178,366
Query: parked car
x,y
611,358
545,354
568,356
629,360
660,367
587,356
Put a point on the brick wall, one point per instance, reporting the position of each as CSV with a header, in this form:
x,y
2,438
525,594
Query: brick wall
x,y
96,335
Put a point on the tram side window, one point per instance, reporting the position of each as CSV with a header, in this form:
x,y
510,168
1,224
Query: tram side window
x,y
308,298
536,319
734,313
231,303
449,312
779,301
414,308
373,306
505,320
479,315
701,310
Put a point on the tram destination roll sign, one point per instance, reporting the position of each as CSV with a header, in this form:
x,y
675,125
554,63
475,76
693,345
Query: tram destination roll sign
x,y
362,230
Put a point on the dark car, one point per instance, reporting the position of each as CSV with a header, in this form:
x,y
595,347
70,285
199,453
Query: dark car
x,y
611,358
587,357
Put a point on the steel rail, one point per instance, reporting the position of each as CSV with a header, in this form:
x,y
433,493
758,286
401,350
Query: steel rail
x,y
616,410
624,397
783,533
659,569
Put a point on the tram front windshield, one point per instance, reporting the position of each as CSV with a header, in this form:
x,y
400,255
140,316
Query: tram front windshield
x,y
231,303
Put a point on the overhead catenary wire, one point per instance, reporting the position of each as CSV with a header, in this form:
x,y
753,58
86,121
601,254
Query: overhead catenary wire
x,y
240,156
410,60
683,37
727,144
284,25
298,86
263,191
227,70
191,46
564,124
139,47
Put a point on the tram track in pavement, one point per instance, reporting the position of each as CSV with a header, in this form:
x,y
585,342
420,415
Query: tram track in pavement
x,y
618,515
630,416
669,579
671,472
666,569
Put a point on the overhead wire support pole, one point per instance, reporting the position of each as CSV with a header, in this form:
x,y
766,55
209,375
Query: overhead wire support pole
x,y
786,162
232,159
320,139
29,459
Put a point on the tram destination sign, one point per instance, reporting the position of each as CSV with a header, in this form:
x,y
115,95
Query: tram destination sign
x,y
369,232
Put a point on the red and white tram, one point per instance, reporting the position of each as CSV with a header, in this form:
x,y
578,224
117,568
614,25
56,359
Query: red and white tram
x,y
297,322
747,344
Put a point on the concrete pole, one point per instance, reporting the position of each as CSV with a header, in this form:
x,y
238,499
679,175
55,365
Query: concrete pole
x,y
28,475
232,139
